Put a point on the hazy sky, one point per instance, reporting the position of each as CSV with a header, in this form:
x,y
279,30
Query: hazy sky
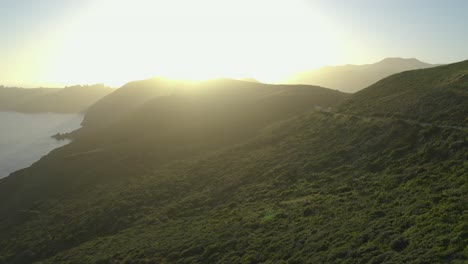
x,y
65,42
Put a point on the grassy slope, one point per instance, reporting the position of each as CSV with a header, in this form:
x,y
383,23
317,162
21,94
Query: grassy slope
x,y
312,189
431,95
164,129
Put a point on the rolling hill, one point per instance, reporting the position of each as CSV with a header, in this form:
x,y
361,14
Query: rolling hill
x,y
436,95
214,115
130,97
352,78
226,171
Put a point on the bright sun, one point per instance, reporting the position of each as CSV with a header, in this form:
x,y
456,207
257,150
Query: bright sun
x,y
118,41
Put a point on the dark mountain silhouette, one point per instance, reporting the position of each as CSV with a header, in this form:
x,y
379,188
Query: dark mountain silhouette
x,y
72,99
352,78
227,171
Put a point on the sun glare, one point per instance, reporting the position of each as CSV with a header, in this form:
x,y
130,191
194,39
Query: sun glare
x,y
118,41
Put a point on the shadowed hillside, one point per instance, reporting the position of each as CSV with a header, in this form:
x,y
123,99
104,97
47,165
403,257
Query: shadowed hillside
x,y
214,92
196,118
352,78
126,99
72,99
227,171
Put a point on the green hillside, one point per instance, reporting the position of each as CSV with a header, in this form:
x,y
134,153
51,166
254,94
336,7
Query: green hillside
x,y
430,95
235,172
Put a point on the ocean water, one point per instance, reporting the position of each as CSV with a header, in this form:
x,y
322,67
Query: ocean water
x,y
25,138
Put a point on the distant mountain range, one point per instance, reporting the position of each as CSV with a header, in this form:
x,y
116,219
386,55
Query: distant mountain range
x,y
352,78
72,99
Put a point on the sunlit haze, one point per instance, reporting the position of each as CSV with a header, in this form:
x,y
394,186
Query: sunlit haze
x,y
233,131
56,43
